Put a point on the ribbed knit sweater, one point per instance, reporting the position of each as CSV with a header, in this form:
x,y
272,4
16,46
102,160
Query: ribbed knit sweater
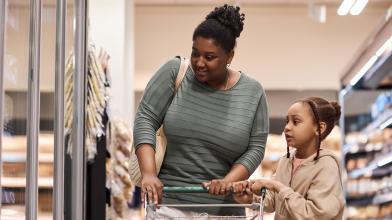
x,y
207,130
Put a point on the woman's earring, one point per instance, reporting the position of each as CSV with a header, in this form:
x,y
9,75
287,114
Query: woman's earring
x,y
228,65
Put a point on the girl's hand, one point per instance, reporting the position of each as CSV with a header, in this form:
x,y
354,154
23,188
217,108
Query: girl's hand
x,y
152,186
240,187
241,192
218,186
271,185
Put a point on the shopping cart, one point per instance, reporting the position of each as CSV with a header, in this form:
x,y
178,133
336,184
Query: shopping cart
x,y
257,208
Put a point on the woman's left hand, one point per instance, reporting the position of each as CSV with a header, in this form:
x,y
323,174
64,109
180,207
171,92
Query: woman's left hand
x,y
272,185
218,186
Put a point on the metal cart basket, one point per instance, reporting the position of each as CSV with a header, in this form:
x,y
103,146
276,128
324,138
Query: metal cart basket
x,y
257,208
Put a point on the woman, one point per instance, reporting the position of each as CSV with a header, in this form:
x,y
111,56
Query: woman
x,y
216,124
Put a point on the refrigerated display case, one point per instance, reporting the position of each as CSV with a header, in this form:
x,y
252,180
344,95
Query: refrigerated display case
x,y
366,100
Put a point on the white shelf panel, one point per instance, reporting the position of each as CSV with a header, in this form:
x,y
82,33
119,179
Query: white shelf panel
x,y
20,182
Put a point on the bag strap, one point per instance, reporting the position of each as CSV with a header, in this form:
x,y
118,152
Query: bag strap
x,y
181,72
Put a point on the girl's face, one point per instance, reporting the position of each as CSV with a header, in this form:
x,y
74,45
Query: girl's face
x,y
209,60
300,130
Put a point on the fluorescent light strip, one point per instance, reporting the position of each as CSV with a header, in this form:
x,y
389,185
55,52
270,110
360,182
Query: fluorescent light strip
x,y
366,67
363,70
344,92
385,46
345,7
386,124
384,161
358,7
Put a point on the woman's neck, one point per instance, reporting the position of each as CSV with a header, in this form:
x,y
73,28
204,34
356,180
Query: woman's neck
x,y
221,84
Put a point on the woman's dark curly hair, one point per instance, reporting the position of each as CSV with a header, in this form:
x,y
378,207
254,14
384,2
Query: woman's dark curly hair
x,y
224,24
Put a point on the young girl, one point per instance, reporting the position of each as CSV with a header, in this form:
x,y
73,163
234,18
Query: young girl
x,y
307,183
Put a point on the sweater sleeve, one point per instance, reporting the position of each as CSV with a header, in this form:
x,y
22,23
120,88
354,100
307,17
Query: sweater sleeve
x,y
253,156
156,100
322,200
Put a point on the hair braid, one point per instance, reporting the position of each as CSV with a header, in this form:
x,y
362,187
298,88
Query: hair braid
x,y
317,119
288,151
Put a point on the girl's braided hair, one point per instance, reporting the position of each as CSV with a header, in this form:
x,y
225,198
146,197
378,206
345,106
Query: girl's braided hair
x,y
322,111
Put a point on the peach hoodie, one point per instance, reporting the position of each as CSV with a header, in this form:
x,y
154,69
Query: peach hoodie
x,y
314,192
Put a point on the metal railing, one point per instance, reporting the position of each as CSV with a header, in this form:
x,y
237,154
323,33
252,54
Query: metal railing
x,y
33,113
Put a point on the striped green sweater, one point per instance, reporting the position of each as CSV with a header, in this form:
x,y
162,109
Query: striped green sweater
x,y
207,130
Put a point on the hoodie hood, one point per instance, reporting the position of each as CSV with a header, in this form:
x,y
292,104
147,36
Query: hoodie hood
x,y
310,160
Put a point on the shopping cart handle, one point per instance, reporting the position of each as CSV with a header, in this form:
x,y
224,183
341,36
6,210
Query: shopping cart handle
x,y
184,189
196,189
262,193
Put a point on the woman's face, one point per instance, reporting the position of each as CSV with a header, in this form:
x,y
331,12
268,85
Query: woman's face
x,y
209,60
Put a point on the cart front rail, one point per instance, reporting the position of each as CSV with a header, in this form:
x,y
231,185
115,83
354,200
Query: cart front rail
x,y
256,206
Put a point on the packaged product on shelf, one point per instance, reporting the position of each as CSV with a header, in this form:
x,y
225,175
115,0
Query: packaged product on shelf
x,y
386,211
382,103
351,164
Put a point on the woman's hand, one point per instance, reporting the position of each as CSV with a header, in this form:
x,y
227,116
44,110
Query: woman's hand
x,y
218,186
151,186
272,185
242,193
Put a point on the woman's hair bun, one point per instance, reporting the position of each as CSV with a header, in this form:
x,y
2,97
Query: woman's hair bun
x,y
230,17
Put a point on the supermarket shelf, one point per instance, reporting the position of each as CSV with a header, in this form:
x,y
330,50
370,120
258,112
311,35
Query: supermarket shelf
x,y
18,143
377,163
382,121
353,149
370,199
21,157
383,198
350,148
360,201
20,182
381,172
367,72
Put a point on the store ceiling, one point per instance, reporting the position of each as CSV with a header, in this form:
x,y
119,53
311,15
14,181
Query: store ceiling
x,y
259,2
215,2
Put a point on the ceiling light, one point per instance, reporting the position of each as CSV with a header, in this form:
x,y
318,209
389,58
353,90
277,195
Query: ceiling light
x,y
345,7
318,13
358,7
